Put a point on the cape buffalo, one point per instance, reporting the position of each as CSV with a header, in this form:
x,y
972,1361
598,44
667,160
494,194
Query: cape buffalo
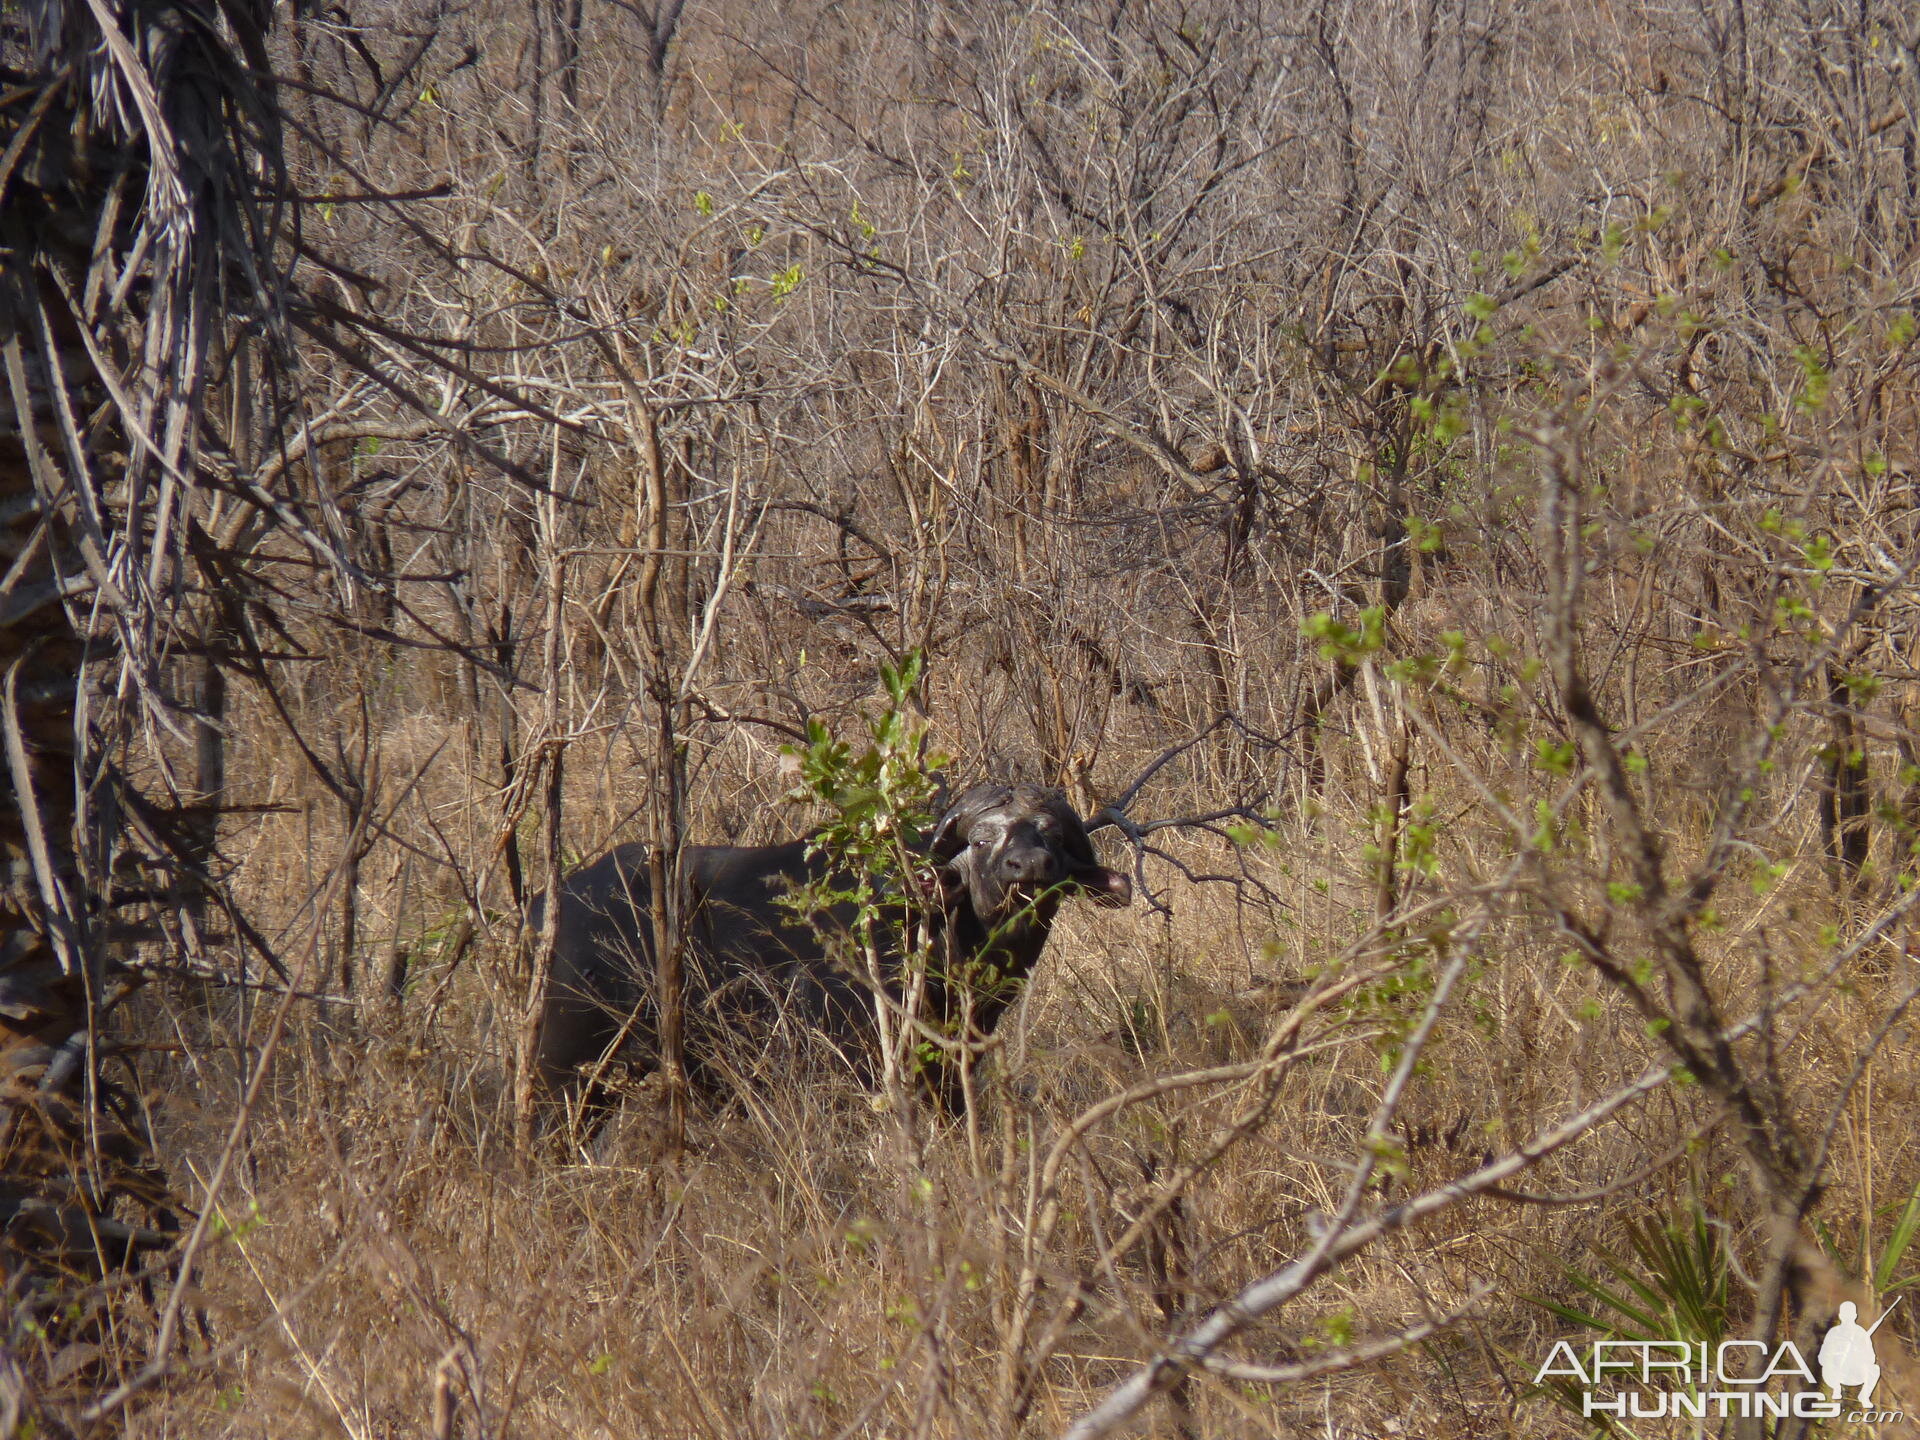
x,y
1000,861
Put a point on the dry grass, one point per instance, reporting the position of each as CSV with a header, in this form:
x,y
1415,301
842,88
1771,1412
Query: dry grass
x,y
798,1273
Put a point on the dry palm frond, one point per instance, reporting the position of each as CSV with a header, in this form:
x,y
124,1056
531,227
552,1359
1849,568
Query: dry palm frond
x,y
139,233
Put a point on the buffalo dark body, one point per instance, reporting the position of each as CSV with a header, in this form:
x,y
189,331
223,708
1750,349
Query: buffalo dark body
x,y
1003,857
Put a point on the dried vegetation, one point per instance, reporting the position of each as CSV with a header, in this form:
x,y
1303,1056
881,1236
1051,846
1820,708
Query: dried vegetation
x,y
1458,452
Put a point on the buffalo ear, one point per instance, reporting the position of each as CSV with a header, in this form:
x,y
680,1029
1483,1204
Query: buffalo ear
x,y
938,886
1112,888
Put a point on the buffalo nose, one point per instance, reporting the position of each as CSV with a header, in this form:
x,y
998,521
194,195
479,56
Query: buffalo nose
x,y
1031,867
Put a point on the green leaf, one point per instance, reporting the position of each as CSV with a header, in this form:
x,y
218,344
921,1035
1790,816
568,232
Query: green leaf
x,y
1897,1244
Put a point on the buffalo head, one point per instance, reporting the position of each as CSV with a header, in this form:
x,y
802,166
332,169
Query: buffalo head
x,y
1006,847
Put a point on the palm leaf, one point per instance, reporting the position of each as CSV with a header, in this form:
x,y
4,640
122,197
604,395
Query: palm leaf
x,y
139,176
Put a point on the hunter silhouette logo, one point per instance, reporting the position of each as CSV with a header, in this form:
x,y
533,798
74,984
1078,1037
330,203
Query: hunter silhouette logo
x,y
1737,1379
1846,1355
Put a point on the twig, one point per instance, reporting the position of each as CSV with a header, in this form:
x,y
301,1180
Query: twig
x,y
1273,1290
1352,1356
